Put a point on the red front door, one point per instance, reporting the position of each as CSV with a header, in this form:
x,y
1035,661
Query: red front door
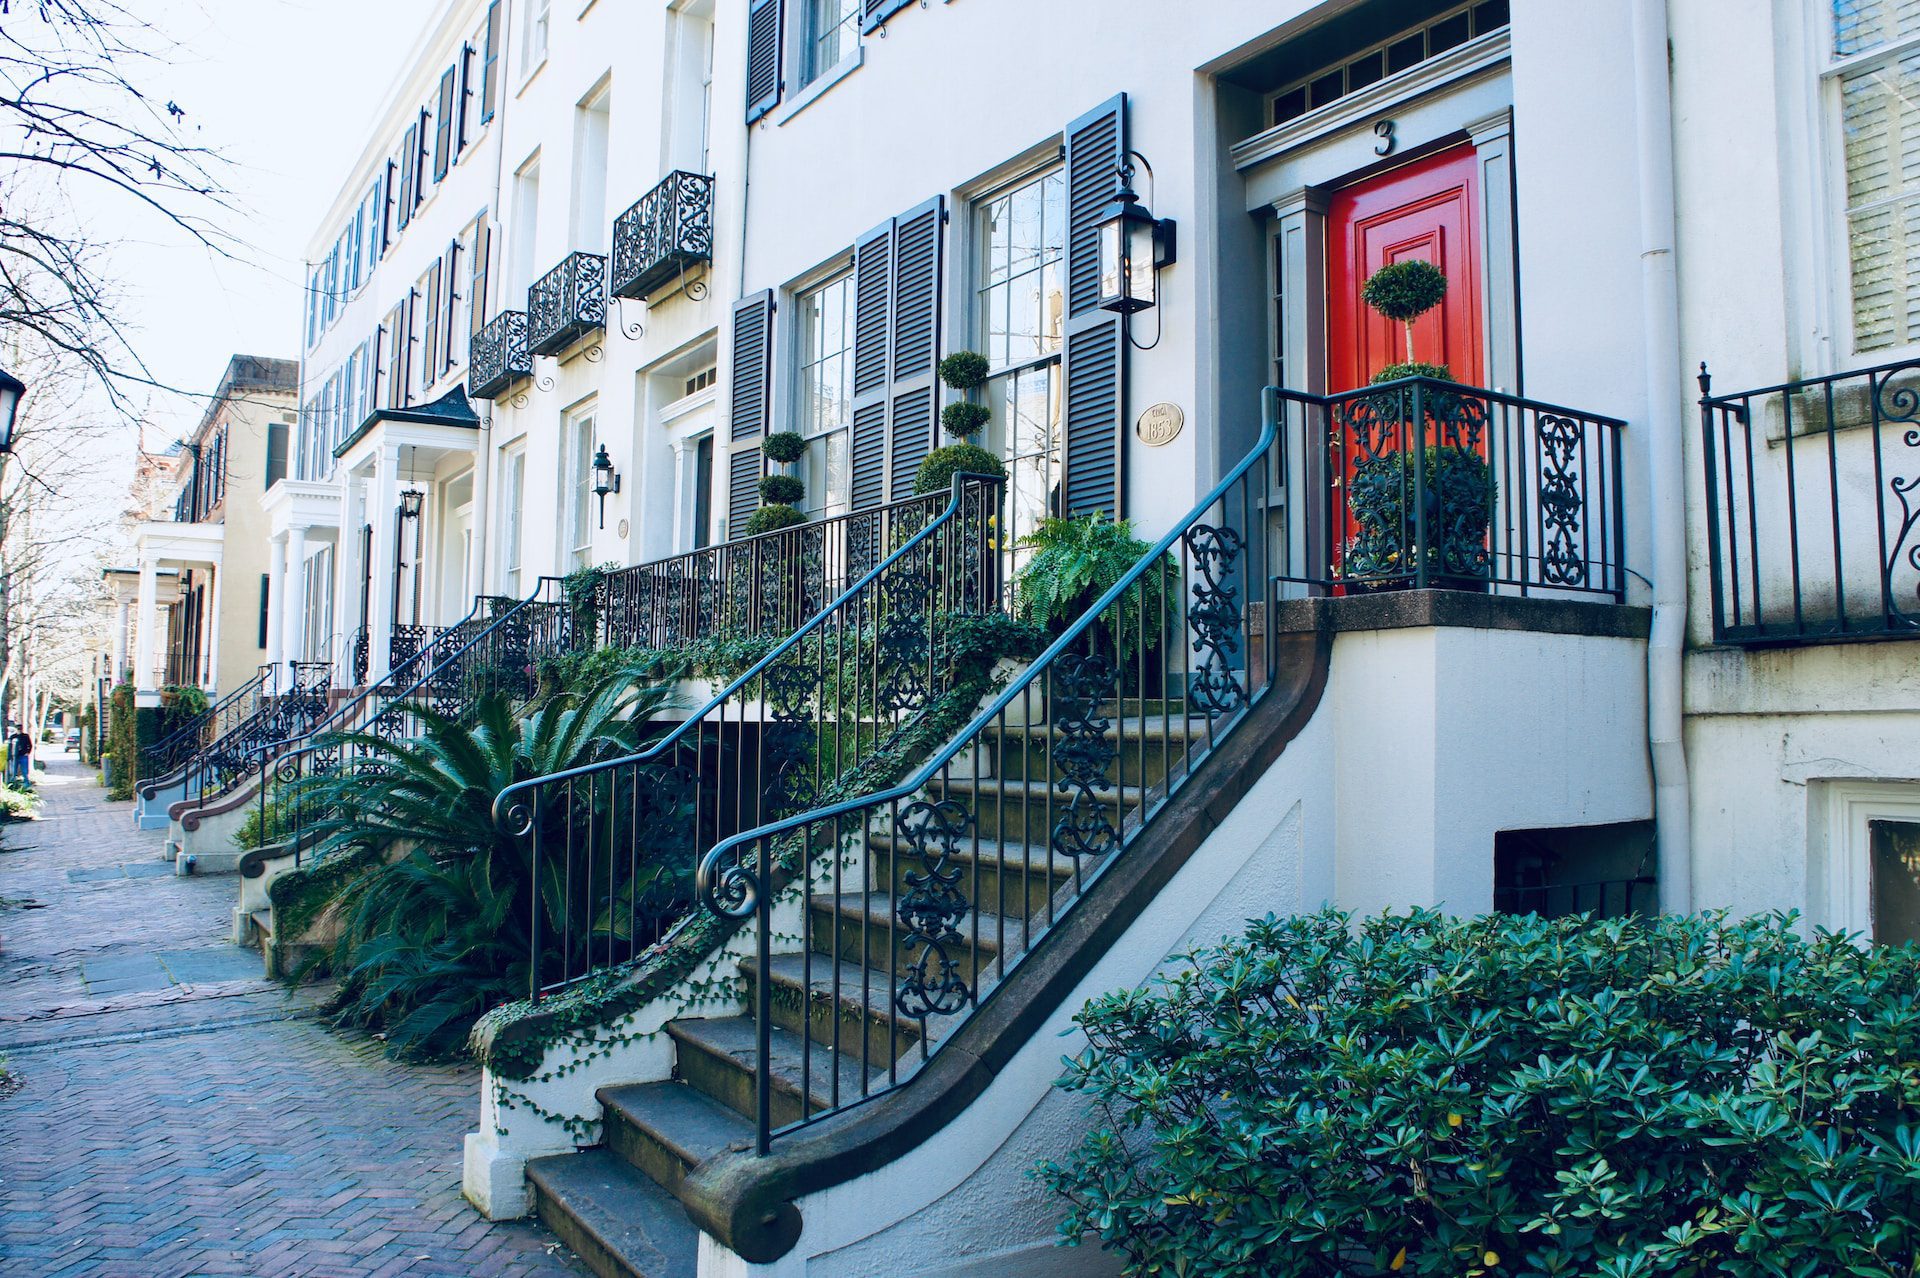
x,y
1428,209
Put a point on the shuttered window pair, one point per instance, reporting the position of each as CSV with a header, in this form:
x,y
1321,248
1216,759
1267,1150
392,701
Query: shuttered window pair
x,y
824,22
1879,104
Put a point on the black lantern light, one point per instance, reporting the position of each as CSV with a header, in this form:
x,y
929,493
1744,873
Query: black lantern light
x,y
1134,245
11,389
605,480
410,500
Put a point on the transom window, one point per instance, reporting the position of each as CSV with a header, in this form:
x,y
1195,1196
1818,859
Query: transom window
x,y
1021,302
833,29
1389,57
825,383
1875,68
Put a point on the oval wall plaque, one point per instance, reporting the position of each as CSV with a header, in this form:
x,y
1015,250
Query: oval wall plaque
x,y
1160,424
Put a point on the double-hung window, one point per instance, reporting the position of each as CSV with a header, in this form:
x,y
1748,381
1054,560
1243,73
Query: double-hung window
x,y
833,32
579,486
533,50
1874,68
513,490
825,388
1020,300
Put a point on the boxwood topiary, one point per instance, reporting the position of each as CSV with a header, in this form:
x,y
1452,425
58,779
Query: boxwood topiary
x,y
939,467
1404,291
964,417
781,490
964,370
772,519
784,446
1414,1094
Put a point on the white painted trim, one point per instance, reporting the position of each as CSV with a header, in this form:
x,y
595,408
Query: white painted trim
x,y
1458,63
1847,872
820,84
672,412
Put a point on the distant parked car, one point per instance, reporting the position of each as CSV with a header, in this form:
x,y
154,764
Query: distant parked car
x,y
73,740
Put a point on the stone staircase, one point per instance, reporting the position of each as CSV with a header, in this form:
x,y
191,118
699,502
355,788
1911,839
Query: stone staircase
x,y
837,1034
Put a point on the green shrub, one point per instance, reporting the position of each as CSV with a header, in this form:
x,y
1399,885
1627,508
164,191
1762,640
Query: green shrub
x,y
1412,368
1507,1095
121,741
938,467
781,490
772,519
1075,561
964,417
964,370
784,446
1460,491
1404,291
17,804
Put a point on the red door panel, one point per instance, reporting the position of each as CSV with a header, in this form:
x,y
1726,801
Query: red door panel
x,y
1428,209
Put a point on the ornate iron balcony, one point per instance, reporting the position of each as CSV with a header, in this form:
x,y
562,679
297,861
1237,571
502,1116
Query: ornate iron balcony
x,y
498,355
567,303
667,231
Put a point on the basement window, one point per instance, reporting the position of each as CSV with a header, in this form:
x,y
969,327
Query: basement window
x,y
1603,870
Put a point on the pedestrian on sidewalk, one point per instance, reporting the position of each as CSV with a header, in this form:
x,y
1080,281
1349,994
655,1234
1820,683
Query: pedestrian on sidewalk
x,y
19,757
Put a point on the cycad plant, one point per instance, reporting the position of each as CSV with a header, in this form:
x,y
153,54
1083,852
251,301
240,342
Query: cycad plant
x,y
439,928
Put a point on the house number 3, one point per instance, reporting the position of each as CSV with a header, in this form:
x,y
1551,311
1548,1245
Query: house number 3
x,y
1384,131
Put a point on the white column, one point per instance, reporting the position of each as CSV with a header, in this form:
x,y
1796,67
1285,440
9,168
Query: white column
x,y
293,600
346,579
276,598
382,500
146,620
210,630
682,536
122,610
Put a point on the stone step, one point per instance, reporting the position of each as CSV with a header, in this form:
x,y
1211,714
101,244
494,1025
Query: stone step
x,y
717,1057
1029,811
614,1216
1009,879
665,1129
860,928
863,1012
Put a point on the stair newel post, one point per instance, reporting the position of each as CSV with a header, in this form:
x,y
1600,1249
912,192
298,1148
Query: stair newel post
x,y
763,1004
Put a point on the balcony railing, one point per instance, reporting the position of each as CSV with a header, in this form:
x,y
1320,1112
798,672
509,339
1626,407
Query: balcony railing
x,y
567,303
668,231
1813,507
765,585
1426,484
497,356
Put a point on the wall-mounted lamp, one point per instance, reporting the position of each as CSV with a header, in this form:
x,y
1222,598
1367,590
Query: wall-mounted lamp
x,y
605,480
11,389
1134,245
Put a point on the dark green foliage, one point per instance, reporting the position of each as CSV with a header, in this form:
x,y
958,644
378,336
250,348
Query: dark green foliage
x,y
1075,561
938,467
437,928
262,826
121,737
964,417
964,370
975,641
180,705
784,446
772,519
1414,368
781,490
1404,291
1506,1095
1460,491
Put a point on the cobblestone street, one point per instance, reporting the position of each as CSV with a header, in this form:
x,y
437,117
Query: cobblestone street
x,y
177,1114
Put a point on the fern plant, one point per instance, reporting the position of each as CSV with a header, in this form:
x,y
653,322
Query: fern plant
x,y
438,928
1075,561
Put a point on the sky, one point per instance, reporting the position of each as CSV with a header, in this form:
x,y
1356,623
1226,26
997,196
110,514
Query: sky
x,y
286,90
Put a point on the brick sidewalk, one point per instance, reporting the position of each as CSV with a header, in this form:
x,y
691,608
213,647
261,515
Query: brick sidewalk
x,y
181,1116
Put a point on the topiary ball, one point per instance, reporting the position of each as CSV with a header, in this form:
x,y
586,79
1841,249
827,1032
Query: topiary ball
x,y
784,446
964,370
1394,372
1404,291
771,519
942,464
964,418
777,490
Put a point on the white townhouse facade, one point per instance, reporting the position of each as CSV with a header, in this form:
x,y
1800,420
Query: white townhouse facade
x,y
1675,676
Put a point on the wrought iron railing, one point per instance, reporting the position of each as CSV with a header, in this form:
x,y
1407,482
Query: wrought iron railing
x,y
497,357
1813,507
769,584
1506,494
666,233
499,648
911,902
567,303
283,707
162,757
834,703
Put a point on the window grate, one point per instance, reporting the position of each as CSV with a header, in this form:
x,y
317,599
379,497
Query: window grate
x,y
1390,57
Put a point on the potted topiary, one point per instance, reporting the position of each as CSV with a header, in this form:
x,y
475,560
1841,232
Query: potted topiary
x,y
772,519
777,511
785,447
781,490
966,372
938,467
1459,497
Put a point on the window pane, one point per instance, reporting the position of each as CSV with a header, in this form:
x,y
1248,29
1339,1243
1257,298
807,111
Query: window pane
x,y
1880,122
1021,299
1860,25
1896,881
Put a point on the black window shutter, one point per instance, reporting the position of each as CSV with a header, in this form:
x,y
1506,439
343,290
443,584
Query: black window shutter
x,y
408,145
420,157
482,246
872,291
276,453
916,340
747,413
443,126
265,588
450,274
385,201
1094,361
428,311
460,134
765,18
875,12
490,64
